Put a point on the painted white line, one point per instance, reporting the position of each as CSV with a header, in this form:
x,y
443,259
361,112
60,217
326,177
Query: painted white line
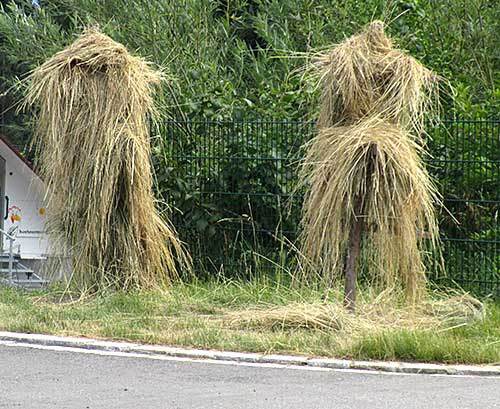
x,y
54,348
160,357
89,345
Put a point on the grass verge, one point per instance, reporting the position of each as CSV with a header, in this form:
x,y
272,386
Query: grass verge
x,y
267,317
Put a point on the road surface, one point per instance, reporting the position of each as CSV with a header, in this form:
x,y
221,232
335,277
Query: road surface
x,y
60,379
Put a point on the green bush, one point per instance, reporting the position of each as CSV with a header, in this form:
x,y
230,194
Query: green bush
x,y
234,58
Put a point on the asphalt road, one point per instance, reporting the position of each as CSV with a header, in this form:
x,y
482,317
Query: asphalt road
x,y
35,378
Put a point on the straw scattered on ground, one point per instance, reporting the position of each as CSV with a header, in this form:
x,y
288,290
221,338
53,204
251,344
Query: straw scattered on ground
x,y
374,315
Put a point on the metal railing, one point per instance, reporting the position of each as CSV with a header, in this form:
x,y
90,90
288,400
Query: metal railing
x,y
11,254
235,184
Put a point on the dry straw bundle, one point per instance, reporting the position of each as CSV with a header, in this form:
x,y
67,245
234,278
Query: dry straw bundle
x,y
372,172
94,152
369,196
365,76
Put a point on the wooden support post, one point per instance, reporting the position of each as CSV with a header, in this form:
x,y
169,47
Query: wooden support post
x,y
351,265
355,235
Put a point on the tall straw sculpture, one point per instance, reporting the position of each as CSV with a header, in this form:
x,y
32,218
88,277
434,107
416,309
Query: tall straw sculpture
x,y
370,199
94,152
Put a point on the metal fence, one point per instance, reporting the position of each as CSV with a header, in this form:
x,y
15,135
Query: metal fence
x,y
235,186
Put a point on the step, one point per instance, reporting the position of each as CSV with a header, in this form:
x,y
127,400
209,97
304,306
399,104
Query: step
x,y
5,259
29,286
17,256
16,270
31,281
21,276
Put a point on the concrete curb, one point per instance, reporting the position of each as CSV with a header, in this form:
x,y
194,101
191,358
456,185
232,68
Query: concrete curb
x,y
287,360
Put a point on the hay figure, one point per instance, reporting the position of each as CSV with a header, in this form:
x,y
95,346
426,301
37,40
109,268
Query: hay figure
x,y
93,148
369,196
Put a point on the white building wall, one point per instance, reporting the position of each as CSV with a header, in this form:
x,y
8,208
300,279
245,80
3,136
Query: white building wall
x,y
26,205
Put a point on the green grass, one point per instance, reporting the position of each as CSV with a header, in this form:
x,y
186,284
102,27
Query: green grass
x,y
202,315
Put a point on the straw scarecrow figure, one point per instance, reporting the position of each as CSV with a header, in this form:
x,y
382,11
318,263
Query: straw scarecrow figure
x,y
369,196
93,148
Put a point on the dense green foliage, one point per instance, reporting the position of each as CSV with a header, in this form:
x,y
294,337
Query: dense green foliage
x,y
227,58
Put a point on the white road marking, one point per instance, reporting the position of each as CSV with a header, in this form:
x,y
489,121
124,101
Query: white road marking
x,y
157,357
160,357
